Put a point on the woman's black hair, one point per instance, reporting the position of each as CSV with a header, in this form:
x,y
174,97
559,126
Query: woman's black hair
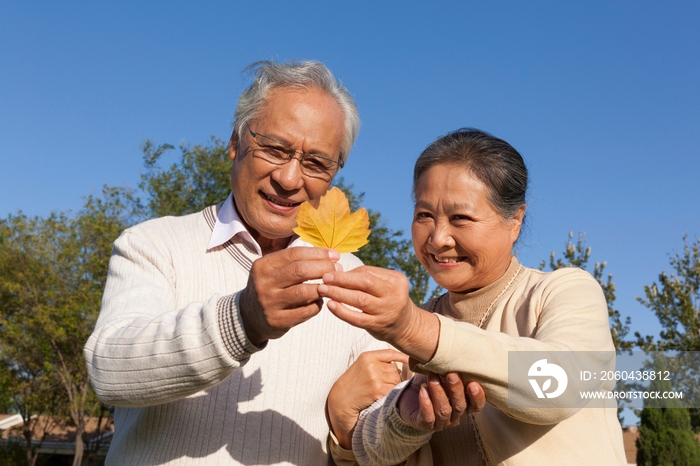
x,y
492,160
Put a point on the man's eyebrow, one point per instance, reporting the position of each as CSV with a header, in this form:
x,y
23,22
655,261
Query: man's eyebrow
x,y
275,140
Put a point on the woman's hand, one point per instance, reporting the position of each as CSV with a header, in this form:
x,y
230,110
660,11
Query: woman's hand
x,y
371,377
433,403
387,311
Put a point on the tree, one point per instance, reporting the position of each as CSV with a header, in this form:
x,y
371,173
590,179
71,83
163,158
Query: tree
x,y
12,454
52,273
26,371
577,256
200,178
675,300
665,434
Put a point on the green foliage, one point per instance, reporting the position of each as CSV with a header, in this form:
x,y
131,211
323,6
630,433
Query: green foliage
x,y
665,438
26,290
12,454
665,434
52,273
577,256
389,249
200,178
675,300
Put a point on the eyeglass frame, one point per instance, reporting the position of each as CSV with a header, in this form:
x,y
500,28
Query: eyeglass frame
x,y
292,153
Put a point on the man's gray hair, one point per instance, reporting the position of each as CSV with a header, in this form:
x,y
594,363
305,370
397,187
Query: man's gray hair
x,y
269,75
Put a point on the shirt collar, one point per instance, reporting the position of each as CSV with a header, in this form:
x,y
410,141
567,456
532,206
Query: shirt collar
x,y
229,225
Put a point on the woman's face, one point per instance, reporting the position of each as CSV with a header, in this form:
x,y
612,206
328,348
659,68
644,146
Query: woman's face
x,y
461,240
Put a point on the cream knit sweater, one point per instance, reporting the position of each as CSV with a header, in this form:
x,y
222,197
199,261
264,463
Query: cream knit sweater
x,y
169,351
529,311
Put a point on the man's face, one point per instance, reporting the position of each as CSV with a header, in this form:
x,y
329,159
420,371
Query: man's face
x,y
268,196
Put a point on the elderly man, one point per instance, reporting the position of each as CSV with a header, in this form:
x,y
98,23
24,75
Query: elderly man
x,y
211,342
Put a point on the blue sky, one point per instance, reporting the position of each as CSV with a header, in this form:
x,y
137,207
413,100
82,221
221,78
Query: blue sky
x,y
601,98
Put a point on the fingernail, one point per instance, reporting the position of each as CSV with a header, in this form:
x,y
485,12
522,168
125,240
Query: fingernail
x,y
473,389
323,288
434,379
338,267
327,277
424,389
333,254
452,378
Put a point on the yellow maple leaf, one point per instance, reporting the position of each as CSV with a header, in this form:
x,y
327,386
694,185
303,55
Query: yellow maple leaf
x,y
332,225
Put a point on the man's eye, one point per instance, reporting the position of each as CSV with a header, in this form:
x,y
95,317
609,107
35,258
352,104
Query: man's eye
x,y
275,152
316,164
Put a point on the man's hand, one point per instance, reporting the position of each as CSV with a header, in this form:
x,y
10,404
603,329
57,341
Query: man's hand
x,y
433,402
371,377
276,297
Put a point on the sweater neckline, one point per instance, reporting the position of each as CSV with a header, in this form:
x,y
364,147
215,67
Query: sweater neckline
x,y
475,306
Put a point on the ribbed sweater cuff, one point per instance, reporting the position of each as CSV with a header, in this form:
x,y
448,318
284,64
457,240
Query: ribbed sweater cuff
x,y
232,329
382,437
406,434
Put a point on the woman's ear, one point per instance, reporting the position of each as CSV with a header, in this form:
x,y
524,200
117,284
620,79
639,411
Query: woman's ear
x,y
517,223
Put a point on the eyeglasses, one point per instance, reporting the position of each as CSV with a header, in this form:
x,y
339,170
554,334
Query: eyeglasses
x,y
278,153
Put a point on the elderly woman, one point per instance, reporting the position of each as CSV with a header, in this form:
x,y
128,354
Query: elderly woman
x,y
469,189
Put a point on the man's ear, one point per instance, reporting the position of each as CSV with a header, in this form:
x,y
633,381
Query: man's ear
x,y
233,145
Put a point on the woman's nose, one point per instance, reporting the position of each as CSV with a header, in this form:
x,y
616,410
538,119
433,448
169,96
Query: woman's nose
x,y
442,237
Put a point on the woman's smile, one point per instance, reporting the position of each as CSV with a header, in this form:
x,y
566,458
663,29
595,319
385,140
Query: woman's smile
x,y
448,260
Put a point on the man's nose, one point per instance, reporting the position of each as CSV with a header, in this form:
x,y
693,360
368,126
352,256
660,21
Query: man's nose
x,y
289,175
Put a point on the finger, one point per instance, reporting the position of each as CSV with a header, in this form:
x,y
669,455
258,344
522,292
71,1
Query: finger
x,y
303,254
355,298
440,401
300,271
477,397
288,318
455,393
386,355
360,279
389,374
426,412
295,296
352,317
377,368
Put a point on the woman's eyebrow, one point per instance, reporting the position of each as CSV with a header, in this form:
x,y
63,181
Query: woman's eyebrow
x,y
452,207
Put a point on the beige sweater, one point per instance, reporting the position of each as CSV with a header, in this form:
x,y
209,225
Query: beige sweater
x,y
169,351
530,310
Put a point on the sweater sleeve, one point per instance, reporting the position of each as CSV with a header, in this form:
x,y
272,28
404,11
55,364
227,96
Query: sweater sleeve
x,y
571,316
382,438
144,349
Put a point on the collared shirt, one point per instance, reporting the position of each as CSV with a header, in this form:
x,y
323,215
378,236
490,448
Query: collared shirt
x,y
229,224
